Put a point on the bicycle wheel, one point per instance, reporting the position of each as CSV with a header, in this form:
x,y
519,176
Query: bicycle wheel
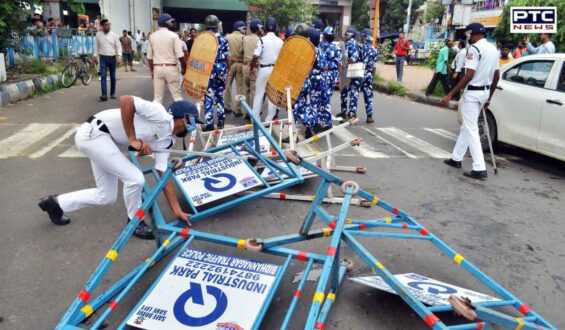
x,y
69,75
86,72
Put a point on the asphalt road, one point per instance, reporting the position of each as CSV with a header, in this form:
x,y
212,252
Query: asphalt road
x,y
511,226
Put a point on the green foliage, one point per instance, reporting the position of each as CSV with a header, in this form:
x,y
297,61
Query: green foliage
x,y
385,51
12,19
502,31
434,10
360,14
35,67
285,11
393,14
76,6
396,88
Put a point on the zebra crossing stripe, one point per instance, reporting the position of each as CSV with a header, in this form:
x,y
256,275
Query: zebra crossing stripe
x,y
16,144
346,135
53,144
415,142
443,133
72,152
406,153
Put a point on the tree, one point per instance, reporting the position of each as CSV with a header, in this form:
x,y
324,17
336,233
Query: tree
x,y
434,10
360,14
13,19
284,11
502,31
393,14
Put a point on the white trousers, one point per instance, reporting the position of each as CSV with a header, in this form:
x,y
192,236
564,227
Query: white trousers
x,y
108,165
473,102
263,75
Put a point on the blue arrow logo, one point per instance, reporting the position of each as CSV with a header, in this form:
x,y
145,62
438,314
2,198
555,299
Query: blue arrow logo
x,y
195,293
432,287
215,185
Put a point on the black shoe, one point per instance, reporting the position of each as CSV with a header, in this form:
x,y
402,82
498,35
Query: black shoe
x,y
56,214
143,231
208,128
352,117
452,163
308,133
481,175
318,129
287,140
237,114
342,115
103,98
220,124
112,97
370,120
228,111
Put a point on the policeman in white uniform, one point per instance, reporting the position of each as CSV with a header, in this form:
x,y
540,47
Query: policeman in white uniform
x,y
479,84
266,53
140,124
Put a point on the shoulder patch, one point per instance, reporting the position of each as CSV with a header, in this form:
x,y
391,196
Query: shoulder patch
x,y
470,56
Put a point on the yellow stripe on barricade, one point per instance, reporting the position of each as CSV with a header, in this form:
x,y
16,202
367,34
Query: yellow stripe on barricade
x,y
520,323
326,231
241,244
112,255
318,297
87,310
375,200
458,258
166,243
331,296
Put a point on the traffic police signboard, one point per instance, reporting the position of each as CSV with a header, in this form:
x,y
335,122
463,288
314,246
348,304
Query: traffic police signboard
x,y
214,179
234,137
427,290
205,290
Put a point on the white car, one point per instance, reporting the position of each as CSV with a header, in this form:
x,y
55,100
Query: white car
x,y
528,107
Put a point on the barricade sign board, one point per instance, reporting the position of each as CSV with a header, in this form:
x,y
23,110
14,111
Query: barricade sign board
x,y
427,290
215,179
228,138
205,290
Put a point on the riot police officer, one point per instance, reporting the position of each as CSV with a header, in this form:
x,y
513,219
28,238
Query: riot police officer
x,y
333,60
350,86
369,55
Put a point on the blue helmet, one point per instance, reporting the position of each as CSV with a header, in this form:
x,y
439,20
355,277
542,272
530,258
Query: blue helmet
x,y
271,24
289,32
367,34
314,36
328,31
351,32
183,109
255,25
239,26
319,24
164,20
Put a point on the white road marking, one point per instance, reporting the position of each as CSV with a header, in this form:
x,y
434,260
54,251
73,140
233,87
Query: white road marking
x,y
17,143
53,144
72,152
415,142
346,136
443,133
409,155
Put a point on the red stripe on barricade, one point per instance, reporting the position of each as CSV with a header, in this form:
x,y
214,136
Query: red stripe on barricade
x,y
424,231
404,225
184,232
332,224
524,309
319,325
431,319
302,256
113,306
395,211
297,293
362,226
274,152
480,325
332,250
84,295
276,122
282,196
216,132
140,214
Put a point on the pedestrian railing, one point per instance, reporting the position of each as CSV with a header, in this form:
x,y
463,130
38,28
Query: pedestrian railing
x,y
50,44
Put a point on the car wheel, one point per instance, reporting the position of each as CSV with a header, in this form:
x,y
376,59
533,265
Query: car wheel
x,y
492,130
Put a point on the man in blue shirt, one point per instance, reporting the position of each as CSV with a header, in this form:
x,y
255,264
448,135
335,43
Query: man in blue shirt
x,y
442,68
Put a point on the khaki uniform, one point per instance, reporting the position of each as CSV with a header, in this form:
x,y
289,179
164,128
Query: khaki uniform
x,y
249,45
165,48
235,43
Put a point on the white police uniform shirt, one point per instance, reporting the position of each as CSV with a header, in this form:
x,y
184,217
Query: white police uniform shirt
x,y
152,124
268,49
482,57
459,61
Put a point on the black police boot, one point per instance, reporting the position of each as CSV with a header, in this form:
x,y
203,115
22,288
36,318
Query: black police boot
x,y
237,114
49,204
220,124
370,120
228,111
143,231
342,115
452,163
208,128
318,129
480,175
308,133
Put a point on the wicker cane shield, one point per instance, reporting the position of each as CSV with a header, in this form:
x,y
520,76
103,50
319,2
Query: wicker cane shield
x,y
292,67
200,65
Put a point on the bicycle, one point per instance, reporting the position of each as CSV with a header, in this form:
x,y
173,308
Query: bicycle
x,y
74,70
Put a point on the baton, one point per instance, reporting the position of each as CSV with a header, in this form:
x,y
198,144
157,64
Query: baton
x,y
485,124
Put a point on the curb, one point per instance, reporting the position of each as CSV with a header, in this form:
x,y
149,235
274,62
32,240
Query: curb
x,y
415,96
22,90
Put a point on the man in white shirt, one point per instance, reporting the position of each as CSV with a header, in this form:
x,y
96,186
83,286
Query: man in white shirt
x,y
266,53
141,125
138,40
458,66
107,52
546,48
480,83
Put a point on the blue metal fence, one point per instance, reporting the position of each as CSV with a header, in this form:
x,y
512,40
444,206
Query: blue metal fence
x,y
51,45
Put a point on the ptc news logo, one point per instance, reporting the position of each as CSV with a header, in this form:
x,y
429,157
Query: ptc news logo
x,y
533,19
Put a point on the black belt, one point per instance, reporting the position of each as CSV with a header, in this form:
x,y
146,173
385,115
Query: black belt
x,y
478,88
265,65
101,126
237,61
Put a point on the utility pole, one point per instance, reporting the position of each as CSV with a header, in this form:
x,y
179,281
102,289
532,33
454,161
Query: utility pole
x,y
408,17
376,27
